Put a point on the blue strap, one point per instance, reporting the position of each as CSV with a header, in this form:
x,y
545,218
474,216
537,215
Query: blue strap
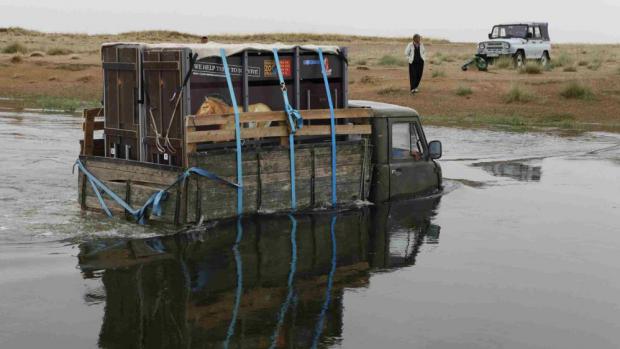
x,y
332,123
295,120
318,330
239,292
297,124
154,202
289,284
233,99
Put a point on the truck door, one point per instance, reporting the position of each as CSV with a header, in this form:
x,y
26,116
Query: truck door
x,y
411,170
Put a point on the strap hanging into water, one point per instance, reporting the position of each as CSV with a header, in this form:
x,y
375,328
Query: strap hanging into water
x,y
318,330
233,99
239,292
289,284
295,122
332,123
154,202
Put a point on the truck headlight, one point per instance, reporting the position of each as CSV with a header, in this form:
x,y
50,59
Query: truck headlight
x,y
481,46
506,45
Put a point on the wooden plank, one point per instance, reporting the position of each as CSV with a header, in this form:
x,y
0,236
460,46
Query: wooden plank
x,y
119,66
314,114
97,125
163,65
276,131
88,126
94,112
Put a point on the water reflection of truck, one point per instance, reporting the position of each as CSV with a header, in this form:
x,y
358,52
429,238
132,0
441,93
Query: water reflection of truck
x,y
272,286
379,151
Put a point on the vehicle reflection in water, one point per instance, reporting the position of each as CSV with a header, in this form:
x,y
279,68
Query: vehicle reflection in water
x,y
263,282
515,169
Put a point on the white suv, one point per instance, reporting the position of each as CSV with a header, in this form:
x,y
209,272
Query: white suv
x,y
519,41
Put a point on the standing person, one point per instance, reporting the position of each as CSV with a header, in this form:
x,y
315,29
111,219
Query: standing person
x,y
416,55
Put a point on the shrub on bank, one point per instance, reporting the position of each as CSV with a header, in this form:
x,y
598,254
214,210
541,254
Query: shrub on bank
x,y
389,60
518,95
504,63
391,90
439,74
15,47
464,91
57,51
531,68
575,90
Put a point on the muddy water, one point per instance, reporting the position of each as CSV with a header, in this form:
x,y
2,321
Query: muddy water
x,y
522,251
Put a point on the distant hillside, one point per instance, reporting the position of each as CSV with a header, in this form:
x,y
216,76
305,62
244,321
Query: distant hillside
x,y
34,40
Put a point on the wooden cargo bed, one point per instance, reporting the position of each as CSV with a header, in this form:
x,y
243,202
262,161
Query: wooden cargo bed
x,y
266,169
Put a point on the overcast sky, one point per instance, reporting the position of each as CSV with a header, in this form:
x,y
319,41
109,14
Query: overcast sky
x,y
456,20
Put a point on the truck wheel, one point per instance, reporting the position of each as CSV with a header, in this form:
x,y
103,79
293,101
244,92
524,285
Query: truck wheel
x,y
545,60
519,60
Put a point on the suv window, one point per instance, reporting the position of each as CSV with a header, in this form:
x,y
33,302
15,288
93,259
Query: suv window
x,y
406,142
537,33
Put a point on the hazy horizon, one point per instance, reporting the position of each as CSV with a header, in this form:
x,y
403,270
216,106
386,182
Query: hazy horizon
x,y
595,23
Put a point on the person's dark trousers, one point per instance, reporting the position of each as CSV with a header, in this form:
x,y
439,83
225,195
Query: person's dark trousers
x,y
416,69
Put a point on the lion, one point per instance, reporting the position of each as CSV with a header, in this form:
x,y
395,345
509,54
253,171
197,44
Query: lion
x,y
216,106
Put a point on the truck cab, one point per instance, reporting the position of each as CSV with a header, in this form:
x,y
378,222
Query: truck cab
x,y
404,162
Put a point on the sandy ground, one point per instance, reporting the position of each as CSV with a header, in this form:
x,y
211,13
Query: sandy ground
x,y
77,75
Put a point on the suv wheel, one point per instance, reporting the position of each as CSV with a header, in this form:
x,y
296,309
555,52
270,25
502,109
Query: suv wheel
x,y
519,60
545,60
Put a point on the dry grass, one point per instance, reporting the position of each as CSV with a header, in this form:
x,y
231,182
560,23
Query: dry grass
x,y
576,90
59,51
390,91
389,60
367,79
438,74
517,94
463,91
15,47
504,63
531,68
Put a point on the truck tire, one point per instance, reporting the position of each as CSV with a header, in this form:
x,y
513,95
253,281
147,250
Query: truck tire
x,y
545,60
519,59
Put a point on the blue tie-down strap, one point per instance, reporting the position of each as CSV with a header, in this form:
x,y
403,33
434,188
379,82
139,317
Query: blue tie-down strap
x,y
295,120
154,202
332,123
233,99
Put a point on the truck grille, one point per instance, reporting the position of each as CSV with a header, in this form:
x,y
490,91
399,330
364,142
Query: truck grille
x,y
494,46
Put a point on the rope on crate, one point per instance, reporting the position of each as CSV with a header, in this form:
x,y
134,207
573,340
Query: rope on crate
x,y
332,125
295,122
233,99
154,201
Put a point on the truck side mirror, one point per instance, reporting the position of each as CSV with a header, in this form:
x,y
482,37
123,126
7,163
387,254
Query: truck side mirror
x,y
434,150
490,36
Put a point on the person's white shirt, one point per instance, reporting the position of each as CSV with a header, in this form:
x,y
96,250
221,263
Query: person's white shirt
x,y
410,52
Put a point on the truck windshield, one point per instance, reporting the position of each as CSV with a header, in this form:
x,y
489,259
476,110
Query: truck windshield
x,y
509,31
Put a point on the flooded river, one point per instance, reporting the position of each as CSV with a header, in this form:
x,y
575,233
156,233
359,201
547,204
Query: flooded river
x,y
522,251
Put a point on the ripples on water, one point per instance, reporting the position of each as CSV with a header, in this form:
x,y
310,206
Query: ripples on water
x,y
521,252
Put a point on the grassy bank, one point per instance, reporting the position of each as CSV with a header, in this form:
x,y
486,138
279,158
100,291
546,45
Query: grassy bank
x,y
581,90
48,103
